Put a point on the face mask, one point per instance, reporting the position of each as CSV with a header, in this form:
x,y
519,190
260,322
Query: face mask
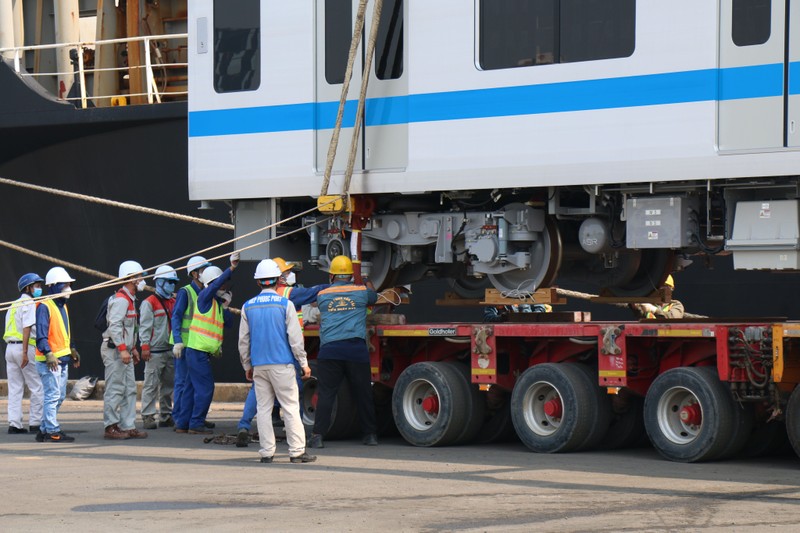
x,y
164,289
37,292
141,285
169,287
66,290
291,279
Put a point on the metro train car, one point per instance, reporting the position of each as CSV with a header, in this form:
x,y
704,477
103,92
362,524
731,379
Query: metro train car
x,y
511,142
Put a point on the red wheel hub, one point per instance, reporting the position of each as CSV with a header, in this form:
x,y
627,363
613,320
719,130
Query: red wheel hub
x,y
553,408
431,404
691,415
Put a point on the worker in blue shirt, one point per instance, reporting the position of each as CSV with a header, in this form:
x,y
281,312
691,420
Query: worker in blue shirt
x,y
54,351
299,296
210,317
343,350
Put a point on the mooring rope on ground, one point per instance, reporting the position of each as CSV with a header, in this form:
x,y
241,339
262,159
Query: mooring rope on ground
x,y
114,203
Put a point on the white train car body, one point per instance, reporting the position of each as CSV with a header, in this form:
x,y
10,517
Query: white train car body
x,y
568,110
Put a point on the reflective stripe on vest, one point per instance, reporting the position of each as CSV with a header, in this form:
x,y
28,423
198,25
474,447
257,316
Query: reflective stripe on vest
x,y
57,335
285,294
11,323
187,315
206,329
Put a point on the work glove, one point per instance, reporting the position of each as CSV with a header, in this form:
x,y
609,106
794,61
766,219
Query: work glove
x,y
177,350
76,358
226,298
234,259
52,362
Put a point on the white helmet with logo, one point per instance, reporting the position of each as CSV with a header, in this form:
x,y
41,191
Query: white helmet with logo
x,y
57,275
195,263
128,268
166,272
267,269
210,274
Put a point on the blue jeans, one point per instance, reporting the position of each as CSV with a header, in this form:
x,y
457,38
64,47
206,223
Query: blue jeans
x,y
251,405
54,383
198,390
181,375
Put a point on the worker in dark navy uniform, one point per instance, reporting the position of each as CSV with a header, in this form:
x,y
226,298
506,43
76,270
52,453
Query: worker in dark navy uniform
x,y
343,352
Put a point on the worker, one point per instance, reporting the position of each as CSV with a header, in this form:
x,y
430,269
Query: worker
x,y
671,309
54,351
20,337
180,322
209,318
343,350
154,333
270,341
299,296
119,353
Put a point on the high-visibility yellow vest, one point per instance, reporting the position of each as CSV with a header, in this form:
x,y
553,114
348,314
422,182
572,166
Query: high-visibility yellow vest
x,y
12,333
58,335
205,331
286,291
187,316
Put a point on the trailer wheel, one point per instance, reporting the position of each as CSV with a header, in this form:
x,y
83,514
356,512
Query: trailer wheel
x,y
768,439
476,405
497,425
793,419
689,414
627,424
344,417
383,410
553,408
430,404
601,421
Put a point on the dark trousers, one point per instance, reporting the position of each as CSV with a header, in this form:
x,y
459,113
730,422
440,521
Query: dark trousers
x,y
330,373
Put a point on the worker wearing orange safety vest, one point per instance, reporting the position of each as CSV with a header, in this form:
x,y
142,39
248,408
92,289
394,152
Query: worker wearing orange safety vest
x,y
54,351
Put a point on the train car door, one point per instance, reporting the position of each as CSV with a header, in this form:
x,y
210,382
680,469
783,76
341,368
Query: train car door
x,y
754,105
384,140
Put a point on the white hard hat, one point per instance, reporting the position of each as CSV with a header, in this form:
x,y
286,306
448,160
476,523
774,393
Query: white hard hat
x,y
210,274
267,269
195,263
57,275
166,272
128,268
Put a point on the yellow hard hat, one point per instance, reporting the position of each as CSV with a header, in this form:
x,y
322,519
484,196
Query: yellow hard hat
x,y
341,265
282,264
670,282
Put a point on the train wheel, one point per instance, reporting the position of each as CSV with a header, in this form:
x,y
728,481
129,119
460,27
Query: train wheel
x,y
344,417
689,415
476,406
546,255
654,267
554,408
793,419
430,404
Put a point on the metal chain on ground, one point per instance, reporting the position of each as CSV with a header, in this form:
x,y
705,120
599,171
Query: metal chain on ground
x,y
587,296
114,203
348,74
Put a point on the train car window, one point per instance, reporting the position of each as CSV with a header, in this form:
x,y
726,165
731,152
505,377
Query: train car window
x,y
752,22
338,34
389,45
521,33
237,45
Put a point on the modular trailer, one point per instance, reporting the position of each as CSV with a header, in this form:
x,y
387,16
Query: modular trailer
x,y
700,390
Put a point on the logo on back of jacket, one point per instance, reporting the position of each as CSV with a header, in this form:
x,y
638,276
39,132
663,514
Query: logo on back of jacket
x,y
341,303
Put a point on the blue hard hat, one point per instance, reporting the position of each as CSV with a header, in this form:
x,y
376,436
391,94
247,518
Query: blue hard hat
x,y
27,280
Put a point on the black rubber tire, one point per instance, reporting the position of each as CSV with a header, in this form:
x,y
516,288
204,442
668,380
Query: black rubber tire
x,y
686,386
344,418
497,424
744,420
793,419
383,410
476,405
627,425
548,381
419,381
602,419
768,439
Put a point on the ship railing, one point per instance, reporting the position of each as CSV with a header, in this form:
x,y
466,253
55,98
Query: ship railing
x,y
152,91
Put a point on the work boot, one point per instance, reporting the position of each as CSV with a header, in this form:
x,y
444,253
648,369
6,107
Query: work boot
x,y
200,431
243,438
40,436
13,430
113,432
209,425
59,436
305,458
33,429
149,422
267,459
370,439
136,434
180,430
316,441
166,422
